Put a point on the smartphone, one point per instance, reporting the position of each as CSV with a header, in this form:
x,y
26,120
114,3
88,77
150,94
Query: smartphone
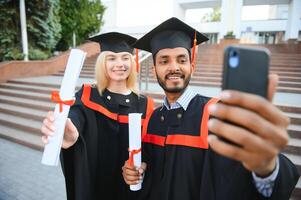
x,y
246,69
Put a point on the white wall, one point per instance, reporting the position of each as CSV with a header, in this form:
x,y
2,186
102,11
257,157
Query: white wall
x,y
178,8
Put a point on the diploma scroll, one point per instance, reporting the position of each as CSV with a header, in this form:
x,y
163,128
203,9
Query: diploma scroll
x,y
135,143
73,68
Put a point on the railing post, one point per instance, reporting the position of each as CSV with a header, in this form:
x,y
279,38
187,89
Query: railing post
x,y
139,78
146,77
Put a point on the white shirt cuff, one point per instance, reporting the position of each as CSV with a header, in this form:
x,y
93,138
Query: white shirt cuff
x,y
265,185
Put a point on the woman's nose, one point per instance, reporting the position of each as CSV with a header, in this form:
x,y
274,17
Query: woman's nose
x,y
119,63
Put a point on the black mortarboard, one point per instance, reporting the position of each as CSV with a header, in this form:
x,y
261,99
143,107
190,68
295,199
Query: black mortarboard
x,y
115,42
170,34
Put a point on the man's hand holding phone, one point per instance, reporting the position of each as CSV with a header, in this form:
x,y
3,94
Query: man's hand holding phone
x,y
256,129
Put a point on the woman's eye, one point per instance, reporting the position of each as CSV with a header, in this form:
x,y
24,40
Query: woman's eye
x,y
111,58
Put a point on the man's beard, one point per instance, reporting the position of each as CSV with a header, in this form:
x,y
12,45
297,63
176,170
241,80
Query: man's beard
x,y
175,89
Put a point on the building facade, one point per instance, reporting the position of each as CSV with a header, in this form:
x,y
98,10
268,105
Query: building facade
x,y
280,21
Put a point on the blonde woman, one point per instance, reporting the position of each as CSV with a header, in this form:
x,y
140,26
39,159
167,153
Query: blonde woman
x,y
95,144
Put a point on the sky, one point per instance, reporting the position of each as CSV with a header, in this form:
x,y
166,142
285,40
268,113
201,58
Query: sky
x,y
150,12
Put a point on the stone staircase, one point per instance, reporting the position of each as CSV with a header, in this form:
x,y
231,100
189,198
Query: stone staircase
x,y
25,102
209,69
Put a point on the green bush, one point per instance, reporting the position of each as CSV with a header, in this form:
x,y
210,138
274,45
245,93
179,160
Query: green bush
x,y
13,54
37,54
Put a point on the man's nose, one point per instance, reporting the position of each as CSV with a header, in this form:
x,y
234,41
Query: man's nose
x,y
174,66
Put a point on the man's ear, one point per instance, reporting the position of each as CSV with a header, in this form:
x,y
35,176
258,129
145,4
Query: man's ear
x,y
192,68
154,70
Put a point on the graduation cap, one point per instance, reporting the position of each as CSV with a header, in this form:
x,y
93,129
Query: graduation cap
x,y
172,33
115,42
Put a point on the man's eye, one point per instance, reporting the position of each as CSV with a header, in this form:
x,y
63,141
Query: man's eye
x,y
183,60
163,62
126,58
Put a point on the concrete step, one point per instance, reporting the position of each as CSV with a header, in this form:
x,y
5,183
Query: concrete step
x,y
294,131
288,89
218,56
295,118
290,78
90,69
27,82
283,62
80,76
272,69
88,72
27,113
289,84
51,86
293,147
27,103
29,88
289,108
21,137
89,64
26,95
288,64
28,125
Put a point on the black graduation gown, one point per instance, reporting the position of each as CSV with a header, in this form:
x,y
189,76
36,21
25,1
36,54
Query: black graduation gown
x,y
93,165
181,166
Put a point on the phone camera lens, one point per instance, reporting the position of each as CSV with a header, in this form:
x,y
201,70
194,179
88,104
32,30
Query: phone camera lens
x,y
233,59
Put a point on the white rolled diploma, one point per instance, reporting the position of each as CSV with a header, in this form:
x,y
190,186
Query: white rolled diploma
x,y
135,142
53,148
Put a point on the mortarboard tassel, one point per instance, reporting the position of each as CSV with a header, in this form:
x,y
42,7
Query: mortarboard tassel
x,y
193,56
137,61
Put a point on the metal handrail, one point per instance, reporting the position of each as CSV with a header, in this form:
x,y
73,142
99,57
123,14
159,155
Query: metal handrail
x,y
144,55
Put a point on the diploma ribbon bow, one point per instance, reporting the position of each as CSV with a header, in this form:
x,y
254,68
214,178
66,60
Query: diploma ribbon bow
x,y
55,97
132,153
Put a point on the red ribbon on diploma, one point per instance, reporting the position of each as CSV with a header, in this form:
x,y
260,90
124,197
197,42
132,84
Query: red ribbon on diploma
x,y
131,158
55,97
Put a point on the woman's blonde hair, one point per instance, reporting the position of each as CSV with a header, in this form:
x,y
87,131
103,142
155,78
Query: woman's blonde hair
x,y
102,78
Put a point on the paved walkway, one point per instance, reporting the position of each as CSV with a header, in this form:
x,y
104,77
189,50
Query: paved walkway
x,y
22,176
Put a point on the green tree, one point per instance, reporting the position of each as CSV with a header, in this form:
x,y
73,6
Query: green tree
x,y
214,16
43,25
50,25
43,28
9,31
82,17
